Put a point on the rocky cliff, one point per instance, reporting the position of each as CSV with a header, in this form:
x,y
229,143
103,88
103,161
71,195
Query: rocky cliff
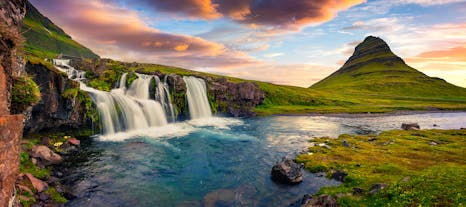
x,y
11,15
60,106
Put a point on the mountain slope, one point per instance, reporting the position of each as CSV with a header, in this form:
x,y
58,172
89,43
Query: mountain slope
x,y
375,69
45,39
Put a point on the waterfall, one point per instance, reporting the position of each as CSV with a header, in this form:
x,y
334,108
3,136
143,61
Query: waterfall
x,y
122,109
64,66
162,94
122,81
197,98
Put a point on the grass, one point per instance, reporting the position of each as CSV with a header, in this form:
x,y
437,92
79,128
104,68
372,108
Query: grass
x,y
436,172
24,93
46,40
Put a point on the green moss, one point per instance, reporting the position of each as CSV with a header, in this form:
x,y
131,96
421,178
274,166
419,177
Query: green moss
x,y
435,172
130,78
26,166
55,196
24,93
70,93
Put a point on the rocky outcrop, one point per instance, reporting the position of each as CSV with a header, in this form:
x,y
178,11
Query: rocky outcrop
x,y
46,156
54,110
287,171
235,99
410,126
11,66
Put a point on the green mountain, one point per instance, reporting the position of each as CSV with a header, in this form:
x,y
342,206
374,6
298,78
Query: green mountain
x,y
375,69
45,39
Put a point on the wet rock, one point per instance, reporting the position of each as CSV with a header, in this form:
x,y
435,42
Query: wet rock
x,y
47,156
377,188
43,196
320,201
39,185
287,171
74,141
339,175
359,191
222,197
410,126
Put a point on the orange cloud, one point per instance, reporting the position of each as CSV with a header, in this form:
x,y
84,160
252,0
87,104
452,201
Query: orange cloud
x,y
449,64
204,9
119,33
279,14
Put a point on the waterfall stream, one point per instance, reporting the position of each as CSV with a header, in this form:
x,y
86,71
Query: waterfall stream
x,y
130,109
198,103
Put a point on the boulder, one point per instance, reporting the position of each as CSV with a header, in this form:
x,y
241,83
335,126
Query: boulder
x,y
47,156
359,191
410,126
287,171
377,188
74,141
339,175
39,185
318,201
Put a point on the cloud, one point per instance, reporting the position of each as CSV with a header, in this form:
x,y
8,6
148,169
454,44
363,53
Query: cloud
x,y
119,33
204,9
428,2
303,75
276,15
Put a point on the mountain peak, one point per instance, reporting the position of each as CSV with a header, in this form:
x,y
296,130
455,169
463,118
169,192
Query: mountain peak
x,y
372,49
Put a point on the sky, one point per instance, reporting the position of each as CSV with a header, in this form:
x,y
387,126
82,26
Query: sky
x,y
289,42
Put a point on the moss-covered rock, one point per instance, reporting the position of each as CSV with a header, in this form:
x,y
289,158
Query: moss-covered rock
x,y
24,93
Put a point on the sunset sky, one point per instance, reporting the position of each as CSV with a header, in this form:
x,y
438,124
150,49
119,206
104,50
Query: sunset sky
x,y
292,42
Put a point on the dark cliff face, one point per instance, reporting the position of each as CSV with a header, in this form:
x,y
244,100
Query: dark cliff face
x,y
54,111
235,99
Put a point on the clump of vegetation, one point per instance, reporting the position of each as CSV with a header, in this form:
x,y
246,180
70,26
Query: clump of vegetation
x,y
424,168
24,93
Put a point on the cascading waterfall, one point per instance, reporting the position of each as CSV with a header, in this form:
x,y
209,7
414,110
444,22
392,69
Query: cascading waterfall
x,y
122,109
64,66
198,103
162,94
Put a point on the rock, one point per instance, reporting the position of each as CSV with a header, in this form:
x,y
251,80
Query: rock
x,y
345,143
320,201
74,141
377,188
47,156
287,171
433,143
388,142
45,141
44,196
221,197
410,126
39,185
358,191
54,110
339,175
25,189
34,161
372,139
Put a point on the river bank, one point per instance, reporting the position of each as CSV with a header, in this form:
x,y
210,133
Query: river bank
x,y
373,114
396,168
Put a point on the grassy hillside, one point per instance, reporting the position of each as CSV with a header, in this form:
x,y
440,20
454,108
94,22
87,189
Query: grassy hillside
x,y
45,39
374,69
